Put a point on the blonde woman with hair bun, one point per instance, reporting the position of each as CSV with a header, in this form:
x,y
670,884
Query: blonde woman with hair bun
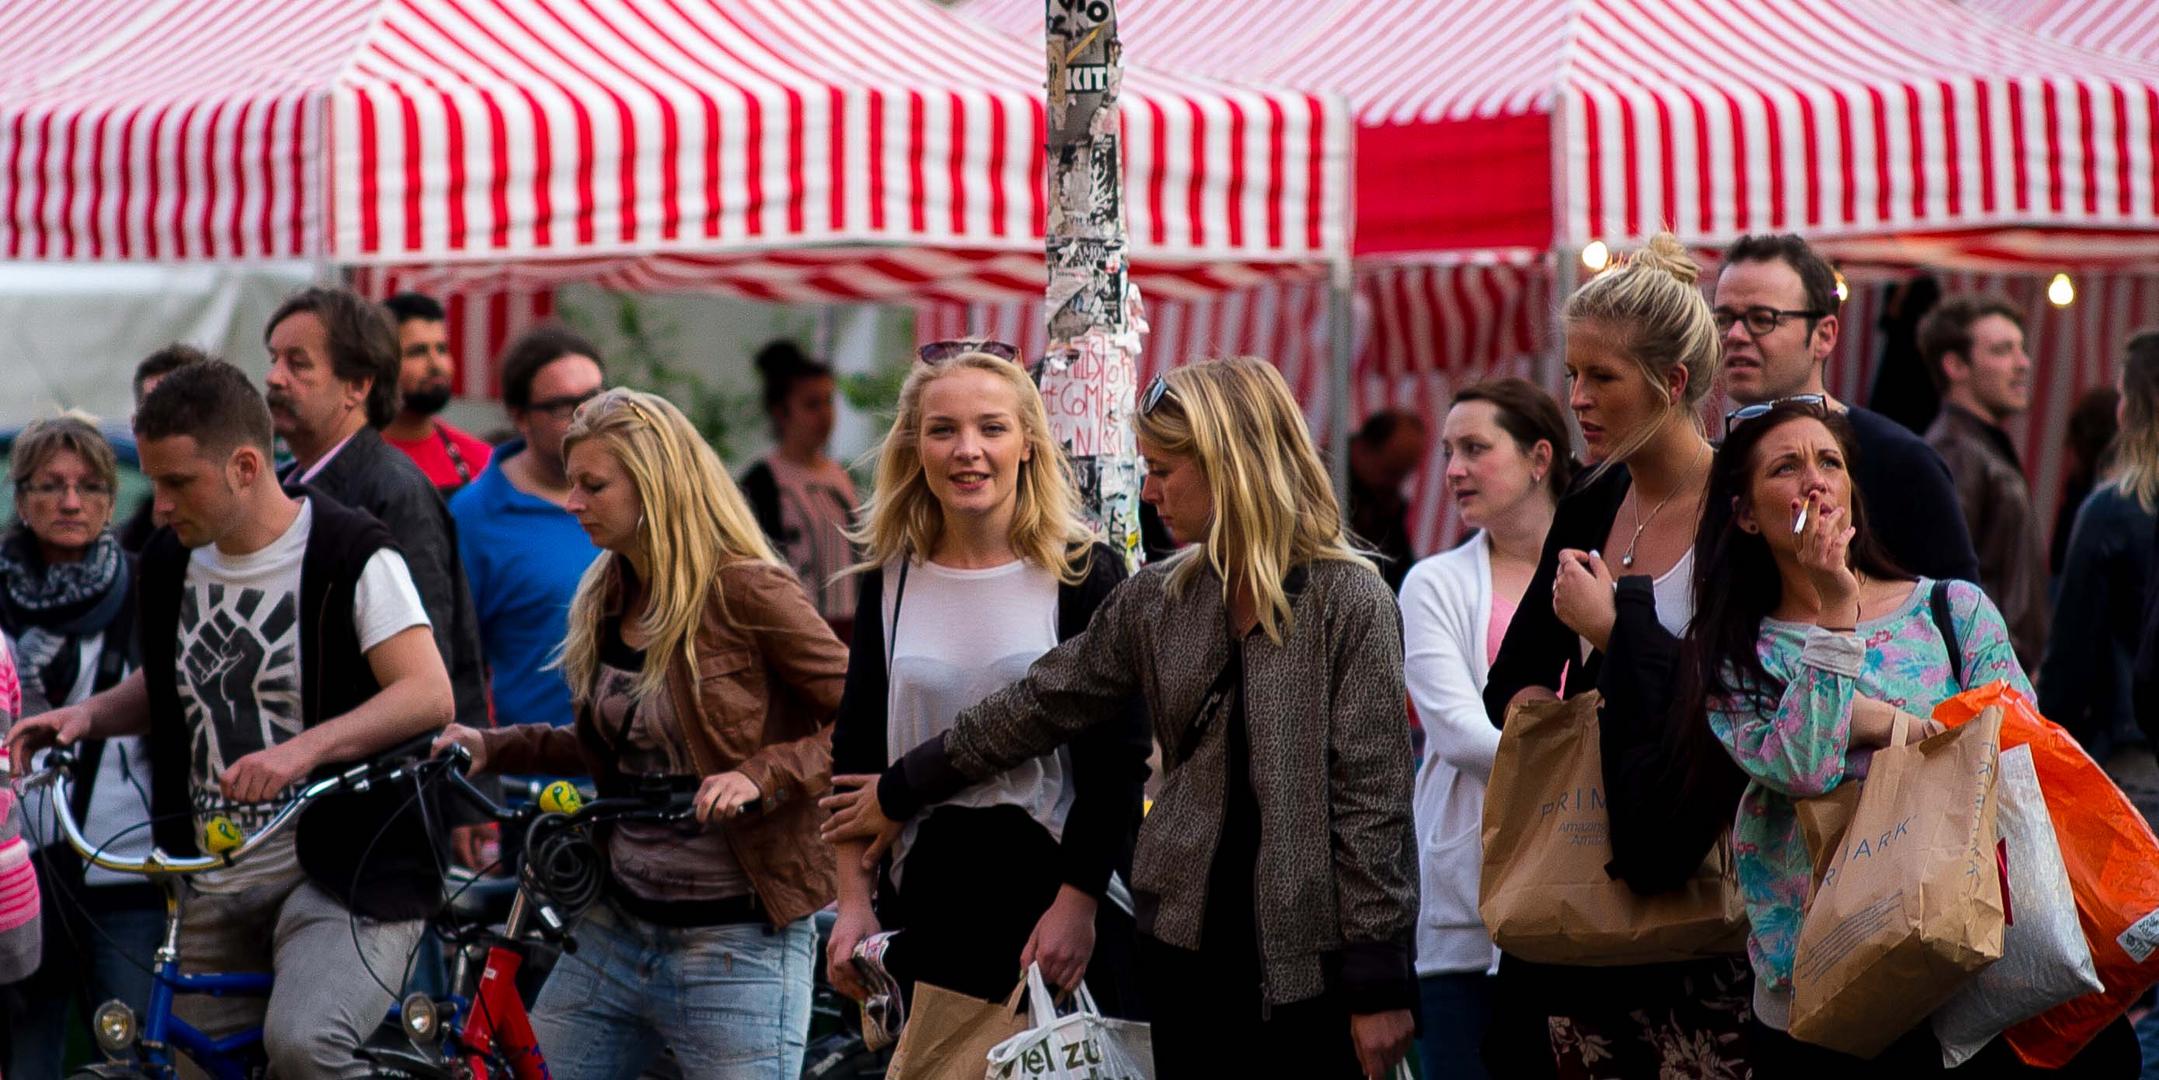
x,y
978,564
1275,882
694,658
1612,593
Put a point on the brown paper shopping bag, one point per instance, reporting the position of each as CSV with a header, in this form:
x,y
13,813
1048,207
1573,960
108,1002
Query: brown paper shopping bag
x,y
949,1035
1545,895
1909,904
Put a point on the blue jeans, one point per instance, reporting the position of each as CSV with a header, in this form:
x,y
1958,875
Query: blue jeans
x,y
732,1002
2148,1038
1457,1010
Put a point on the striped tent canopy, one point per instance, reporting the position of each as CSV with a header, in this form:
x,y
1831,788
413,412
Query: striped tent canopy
x,y
626,137
1496,124
1897,133
2126,27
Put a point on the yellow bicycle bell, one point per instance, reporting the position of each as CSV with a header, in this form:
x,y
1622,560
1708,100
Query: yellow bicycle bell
x,y
561,797
220,835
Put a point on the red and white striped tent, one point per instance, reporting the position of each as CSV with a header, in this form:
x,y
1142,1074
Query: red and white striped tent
x,y
779,149
1529,124
1498,136
2125,27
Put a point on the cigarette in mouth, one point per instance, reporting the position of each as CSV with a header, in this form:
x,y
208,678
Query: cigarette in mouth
x,y
1799,524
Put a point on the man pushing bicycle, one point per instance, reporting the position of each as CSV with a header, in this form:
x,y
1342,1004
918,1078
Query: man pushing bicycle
x,y
282,637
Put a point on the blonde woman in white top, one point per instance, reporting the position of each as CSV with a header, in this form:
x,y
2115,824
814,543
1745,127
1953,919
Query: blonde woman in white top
x,y
1505,443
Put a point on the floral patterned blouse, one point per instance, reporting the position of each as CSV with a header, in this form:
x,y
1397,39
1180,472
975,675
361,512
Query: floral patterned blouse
x,y
1803,747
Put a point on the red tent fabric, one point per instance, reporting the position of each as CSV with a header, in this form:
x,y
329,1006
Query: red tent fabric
x,y
582,137
2123,27
1489,124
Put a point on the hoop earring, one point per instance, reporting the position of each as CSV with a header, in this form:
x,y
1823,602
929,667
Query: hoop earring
x,y
640,521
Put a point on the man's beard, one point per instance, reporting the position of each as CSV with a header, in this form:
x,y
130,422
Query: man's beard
x,y
428,400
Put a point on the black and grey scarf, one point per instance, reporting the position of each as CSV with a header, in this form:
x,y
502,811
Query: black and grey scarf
x,y
48,608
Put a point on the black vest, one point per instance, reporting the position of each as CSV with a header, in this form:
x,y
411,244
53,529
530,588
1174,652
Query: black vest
x,y
371,851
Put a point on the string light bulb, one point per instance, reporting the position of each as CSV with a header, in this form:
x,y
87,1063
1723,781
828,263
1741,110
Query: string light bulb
x,y
2061,292
1844,292
1596,255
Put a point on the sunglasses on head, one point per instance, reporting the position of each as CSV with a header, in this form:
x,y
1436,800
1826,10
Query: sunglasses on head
x,y
937,352
1156,391
1761,408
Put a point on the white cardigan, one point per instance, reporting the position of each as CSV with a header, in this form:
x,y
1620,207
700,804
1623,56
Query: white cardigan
x,y
1446,608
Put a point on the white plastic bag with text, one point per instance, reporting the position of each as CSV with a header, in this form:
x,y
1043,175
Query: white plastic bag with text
x,y
1079,1045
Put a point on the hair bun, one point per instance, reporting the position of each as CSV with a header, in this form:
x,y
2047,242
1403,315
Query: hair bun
x,y
780,357
1664,253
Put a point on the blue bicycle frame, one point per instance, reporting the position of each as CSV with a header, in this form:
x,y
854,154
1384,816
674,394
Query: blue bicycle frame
x,y
238,1056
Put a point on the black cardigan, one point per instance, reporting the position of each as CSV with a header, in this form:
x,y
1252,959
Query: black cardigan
x,y
371,850
1660,832
1109,761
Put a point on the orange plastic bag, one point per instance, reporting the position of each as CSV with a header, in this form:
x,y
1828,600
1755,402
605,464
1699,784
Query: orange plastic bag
x,y
2113,863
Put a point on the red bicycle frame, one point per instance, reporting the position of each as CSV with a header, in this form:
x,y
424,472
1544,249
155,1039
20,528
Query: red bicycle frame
x,y
497,1024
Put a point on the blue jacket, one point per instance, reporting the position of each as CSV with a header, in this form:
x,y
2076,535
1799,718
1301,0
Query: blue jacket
x,y
523,558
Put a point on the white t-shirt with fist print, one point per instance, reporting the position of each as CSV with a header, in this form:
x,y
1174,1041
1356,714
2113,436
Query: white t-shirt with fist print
x,y
239,677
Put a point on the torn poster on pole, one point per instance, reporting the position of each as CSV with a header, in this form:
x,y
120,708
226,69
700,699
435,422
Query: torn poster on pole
x,y
1095,321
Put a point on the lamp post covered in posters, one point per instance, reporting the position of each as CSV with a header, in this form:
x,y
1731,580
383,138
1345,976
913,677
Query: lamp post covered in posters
x,y
1090,370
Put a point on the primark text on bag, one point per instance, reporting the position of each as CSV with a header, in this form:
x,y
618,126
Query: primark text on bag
x,y
1909,903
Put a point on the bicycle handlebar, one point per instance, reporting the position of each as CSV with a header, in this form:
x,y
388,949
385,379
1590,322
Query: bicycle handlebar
x,y
654,801
158,864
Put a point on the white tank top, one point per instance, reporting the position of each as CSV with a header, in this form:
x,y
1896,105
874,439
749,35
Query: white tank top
x,y
1674,591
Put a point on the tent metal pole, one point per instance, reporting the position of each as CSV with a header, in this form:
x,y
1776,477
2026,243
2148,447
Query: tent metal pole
x,y
1342,337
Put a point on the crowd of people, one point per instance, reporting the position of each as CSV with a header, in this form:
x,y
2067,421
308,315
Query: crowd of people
x,y
939,710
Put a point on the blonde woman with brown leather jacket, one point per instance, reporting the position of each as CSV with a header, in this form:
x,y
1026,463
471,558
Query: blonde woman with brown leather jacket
x,y
694,656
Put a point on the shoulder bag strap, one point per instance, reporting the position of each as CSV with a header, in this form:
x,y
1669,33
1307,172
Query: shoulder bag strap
x,y
1945,623
1210,704
892,633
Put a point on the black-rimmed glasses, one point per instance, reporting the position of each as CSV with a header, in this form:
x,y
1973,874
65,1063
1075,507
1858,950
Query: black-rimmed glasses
x,y
1760,320
1759,409
562,408
937,352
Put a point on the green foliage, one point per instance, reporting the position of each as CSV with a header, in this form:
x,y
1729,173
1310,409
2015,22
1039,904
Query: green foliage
x,y
646,355
875,393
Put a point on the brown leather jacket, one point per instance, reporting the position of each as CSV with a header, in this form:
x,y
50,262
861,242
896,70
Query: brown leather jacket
x,y
1998,507
761,702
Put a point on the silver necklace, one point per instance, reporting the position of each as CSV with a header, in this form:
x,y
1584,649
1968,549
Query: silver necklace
x,y
1626,560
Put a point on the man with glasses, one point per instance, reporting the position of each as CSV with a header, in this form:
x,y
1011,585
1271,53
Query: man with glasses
x,y
1776,310
523,552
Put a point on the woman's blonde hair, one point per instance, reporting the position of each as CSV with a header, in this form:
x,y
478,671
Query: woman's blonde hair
x,y
1652,306
694,522
2136,448
1273,506
903,518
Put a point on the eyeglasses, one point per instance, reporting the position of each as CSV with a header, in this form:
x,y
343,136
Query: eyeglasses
x,y
1760,320
1156,391
562,408
937,352
1760,409
53,489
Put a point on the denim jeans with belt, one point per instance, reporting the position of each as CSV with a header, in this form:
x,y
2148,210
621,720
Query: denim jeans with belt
x,y
732,1001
